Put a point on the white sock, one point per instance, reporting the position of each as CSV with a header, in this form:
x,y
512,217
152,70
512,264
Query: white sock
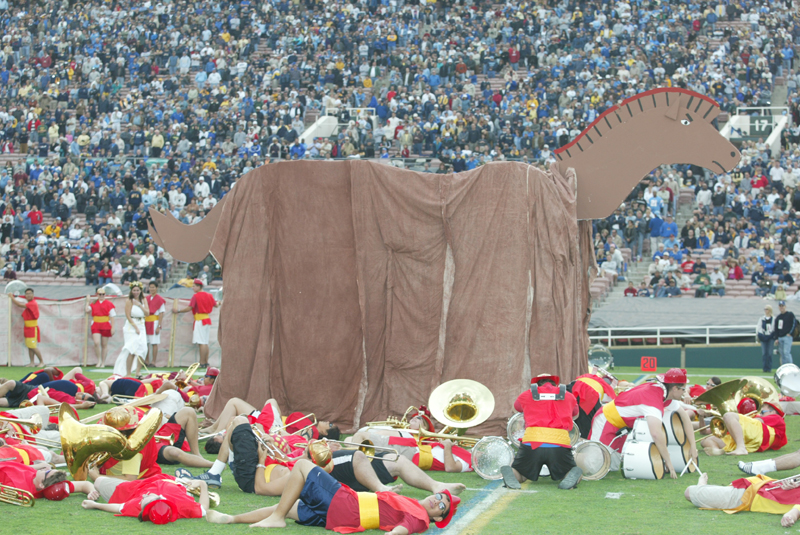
x,y
764,467
217,469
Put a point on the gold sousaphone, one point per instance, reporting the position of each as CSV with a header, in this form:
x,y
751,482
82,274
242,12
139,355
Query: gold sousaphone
x,y
461,403
727,396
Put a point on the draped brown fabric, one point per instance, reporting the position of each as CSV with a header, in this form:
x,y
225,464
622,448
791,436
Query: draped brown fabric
x,y
338,275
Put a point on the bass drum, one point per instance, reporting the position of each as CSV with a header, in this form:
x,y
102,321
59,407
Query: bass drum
x,y
594,458
787,377
641,460
489,455
674,428
515,429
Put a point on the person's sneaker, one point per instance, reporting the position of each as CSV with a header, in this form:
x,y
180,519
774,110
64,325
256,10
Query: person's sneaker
x,y
747,468
508,478
572,479
214,481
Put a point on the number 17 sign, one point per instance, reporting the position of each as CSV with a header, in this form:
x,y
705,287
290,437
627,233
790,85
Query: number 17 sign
x,y
649,364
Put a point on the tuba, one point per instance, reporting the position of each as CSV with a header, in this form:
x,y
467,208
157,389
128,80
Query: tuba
x,y
83,443
461,403
727,396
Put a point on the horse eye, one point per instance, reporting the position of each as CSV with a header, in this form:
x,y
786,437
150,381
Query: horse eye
x,y
686,122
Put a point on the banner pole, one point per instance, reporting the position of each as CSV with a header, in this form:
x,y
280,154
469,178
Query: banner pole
x,y
86,334
10,309
172,333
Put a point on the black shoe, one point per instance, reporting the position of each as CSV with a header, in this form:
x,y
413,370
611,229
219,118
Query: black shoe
x,y
509,479
572,479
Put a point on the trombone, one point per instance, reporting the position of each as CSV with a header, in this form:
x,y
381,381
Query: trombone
x,y
311,416
40,441
272,450
34,424
367,448
393,421
463,441
183,383
15,496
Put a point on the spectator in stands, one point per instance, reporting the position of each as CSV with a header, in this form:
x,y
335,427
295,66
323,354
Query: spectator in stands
x,y
703,284
733,270
703,197
671,290
91,276
717,282
718,252
655,224
150,272
643,290
702,240
128,276
630,291
690,242
104,275
687,266
784,328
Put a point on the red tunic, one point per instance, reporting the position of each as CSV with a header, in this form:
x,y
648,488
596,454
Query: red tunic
x,y
777,423
148,388
19,476
21,453
149,466
101,315
203,303
84,383
154,303
394,510
437,453
170,431
550,414
127,490
587,390
31,313
174,493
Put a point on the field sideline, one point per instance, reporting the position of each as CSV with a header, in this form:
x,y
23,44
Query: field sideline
x,y
640,507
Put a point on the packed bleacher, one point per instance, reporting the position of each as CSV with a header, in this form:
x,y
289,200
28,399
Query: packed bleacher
x,y
108,108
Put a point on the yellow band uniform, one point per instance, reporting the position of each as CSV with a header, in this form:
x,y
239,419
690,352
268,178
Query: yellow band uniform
x,y
612,415
201,317
101,319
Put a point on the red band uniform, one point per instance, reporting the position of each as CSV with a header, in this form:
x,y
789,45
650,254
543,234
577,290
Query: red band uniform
x,y
640,401
102,312
31,331
589,391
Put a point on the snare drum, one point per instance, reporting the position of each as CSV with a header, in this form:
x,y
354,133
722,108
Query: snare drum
x,y
787,377
574,434
641,460
594,458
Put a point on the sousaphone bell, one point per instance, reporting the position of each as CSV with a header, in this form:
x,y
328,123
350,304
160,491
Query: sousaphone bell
x,y
461,403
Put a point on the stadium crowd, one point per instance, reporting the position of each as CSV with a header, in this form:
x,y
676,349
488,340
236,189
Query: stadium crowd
x,y
122,105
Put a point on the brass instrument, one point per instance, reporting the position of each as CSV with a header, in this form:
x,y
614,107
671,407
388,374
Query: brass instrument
x,y
393,421
34,424
83,443
168,439
183,383
463,441
727,396
461,403
310,416
272,450
41,441
147,400
367,448
15,496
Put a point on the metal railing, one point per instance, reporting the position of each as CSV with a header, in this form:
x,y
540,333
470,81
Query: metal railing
x,y
623,336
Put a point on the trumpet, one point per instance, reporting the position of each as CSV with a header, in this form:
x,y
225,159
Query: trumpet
x,y
34,424
772,485
272,450
15,496
367,448
41,441
463,441
394,421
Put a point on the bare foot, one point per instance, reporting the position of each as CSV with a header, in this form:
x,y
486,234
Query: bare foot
x,y
270,522
393,488
453,488
215,517
738,451
703,480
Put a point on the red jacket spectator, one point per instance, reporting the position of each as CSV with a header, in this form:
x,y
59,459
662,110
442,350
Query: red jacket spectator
x,y
36,217
759,182
513,55
736,273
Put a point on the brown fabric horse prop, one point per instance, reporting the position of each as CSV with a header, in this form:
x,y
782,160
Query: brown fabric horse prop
x,y
354,288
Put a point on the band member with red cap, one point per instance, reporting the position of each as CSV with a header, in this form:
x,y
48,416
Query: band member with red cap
x,y
549,411
31,331
765,431
153,321
314,498
644,401
759,494
201,305
102,327
160,500
204,388
590,390
42,481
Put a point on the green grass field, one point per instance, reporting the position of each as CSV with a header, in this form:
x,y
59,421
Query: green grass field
x,y
643,507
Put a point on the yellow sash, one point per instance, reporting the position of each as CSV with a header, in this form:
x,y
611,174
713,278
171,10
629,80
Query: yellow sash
x,y
80,387
31,323
101,319
547,435
26,459
368,510
612,415
200,317
268,472
596,387
148,387
425,457
150,319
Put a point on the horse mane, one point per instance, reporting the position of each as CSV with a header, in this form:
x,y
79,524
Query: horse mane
x,y
634,106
